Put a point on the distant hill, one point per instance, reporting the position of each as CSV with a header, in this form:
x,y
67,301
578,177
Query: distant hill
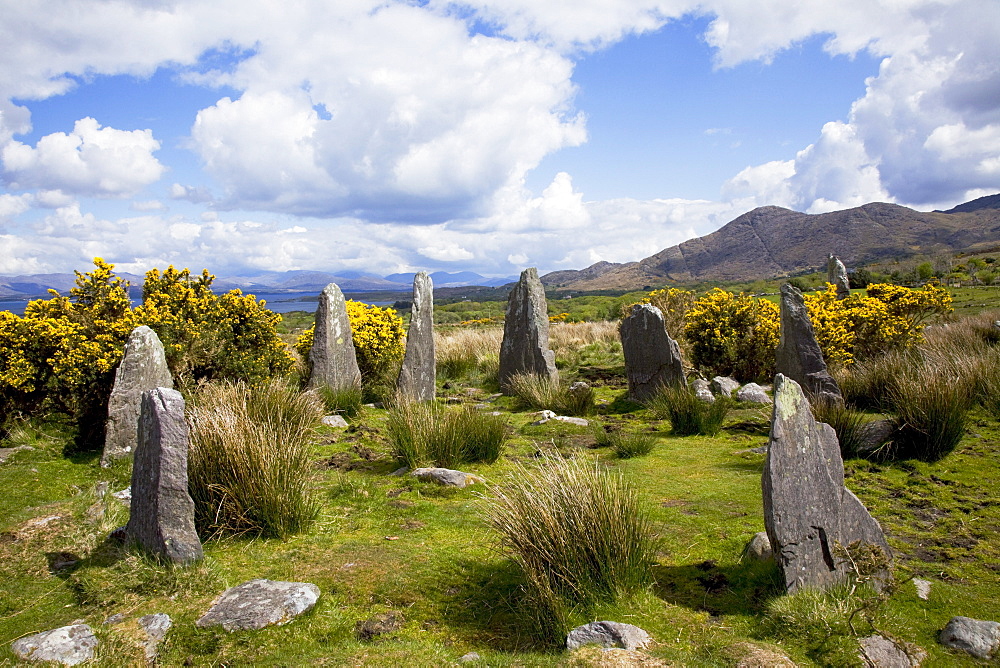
x,y
988,202
444,279
771,241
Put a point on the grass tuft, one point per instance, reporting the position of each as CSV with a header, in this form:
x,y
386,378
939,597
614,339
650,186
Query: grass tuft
x,y
579,534
688,414
544,393
846,421
346,401
626,444
932,411
427,433
249,468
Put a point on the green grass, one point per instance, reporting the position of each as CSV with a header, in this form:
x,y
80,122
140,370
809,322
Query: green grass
x,y
458,591
428,433
687,413
543,393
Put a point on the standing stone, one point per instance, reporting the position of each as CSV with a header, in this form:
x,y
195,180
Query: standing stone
x,y
334,362
799,356
652,358
416,377
807,509
836,273
525,347
161,519
143,367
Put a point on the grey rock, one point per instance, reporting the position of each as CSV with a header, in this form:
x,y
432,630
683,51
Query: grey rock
x,y
759,547
578,386
416,377
6,453
979,638
702,391
881,652
836,273
923,588
156,627
161,519
469,658
873,435
607,634
124,496
798,356
752,393
525,346
259,603
143,367
578,421
379,625
333,421
447,477
333,359
68,645
724,386
652,358
807,508
116,618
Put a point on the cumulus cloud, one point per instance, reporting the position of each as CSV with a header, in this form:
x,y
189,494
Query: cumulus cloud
x,y
90,160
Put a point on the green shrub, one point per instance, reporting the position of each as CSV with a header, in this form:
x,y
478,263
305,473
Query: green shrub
x,y
542,392
578,533
687,413
426,433
249,467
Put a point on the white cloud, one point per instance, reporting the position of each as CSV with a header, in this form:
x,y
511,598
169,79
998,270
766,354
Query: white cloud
x,y
148,205
90,160
194,194
12,205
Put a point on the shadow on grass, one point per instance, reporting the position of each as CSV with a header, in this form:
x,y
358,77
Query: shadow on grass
x,y
490,605
737,589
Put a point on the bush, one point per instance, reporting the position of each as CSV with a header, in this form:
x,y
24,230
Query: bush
x,y
577,532
687,413
544,393
249,466
733,335
673,304
379,342
427,433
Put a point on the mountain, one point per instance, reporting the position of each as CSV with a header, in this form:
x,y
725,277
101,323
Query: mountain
x,y
771,241
457,279
37,285
988,202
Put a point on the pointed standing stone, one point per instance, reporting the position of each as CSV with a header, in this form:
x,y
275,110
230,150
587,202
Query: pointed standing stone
x,y
807,509
836,273
799,356
416,377
143,367
525,347
161,518
652,358
334,362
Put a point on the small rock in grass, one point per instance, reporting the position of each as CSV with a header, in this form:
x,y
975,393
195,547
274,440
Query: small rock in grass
x,y
759,547
724,386
124,496
68,645
380,624
448,477
977,637
881,652
334,421
156,627
580,422
469,658
259,603
116,618
923,588
700,387
753,393
607,634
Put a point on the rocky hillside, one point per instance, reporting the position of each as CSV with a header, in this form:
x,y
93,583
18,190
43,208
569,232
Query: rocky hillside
x,y
771,241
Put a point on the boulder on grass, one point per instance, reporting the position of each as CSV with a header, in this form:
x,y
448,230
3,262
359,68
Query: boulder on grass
x,y
447,477
979,638
68,645
259,603
608,634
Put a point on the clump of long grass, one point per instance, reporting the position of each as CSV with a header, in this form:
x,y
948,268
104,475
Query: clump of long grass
x,y
932,411
542,392
687,413
846,420
871,383
465,353
428,433
346,401
578,533
249,468
627,444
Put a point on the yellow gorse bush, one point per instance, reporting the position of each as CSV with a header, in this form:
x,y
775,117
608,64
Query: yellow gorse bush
x,y
378,338
733,334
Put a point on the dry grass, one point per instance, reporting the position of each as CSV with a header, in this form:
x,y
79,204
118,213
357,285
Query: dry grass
x,y
463,352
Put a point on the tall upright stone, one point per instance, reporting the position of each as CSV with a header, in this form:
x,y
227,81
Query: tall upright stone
x,y
334,361
525,347
807,508
799,356
836,273
161,519
652,358
416,377
143,367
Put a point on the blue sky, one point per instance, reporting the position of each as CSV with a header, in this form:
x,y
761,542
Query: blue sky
x,y
387,136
